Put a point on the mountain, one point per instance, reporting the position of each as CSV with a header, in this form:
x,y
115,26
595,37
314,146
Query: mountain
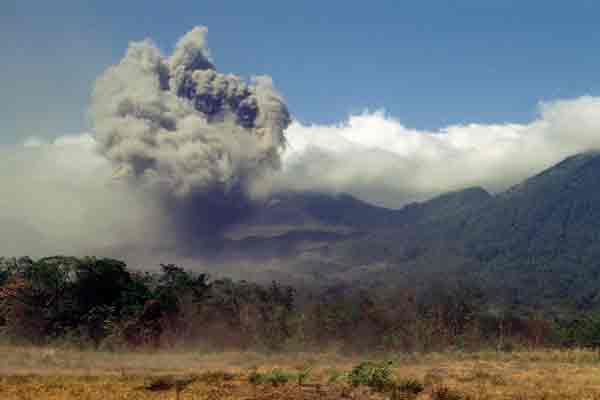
x,y
552,216
538,242
343,213
542,237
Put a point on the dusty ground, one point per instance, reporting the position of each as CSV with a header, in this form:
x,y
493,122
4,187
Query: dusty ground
x,y
42,373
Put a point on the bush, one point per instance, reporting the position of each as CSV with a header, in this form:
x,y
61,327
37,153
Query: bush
x,y
275,377
377,376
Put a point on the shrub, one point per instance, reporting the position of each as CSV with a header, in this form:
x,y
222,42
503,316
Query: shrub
x,y
303,376
275,377
377,376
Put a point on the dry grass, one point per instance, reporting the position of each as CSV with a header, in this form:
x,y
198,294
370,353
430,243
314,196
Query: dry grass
x,y
42,373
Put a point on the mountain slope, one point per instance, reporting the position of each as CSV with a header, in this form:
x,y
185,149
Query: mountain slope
x,y
550,215
537,243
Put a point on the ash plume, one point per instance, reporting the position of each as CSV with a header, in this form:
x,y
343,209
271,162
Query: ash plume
x,y
176,125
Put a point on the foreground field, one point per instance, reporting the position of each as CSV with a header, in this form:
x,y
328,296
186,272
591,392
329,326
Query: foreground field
x,y
42,373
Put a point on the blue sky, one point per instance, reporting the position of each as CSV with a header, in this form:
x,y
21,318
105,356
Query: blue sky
x,y
428,63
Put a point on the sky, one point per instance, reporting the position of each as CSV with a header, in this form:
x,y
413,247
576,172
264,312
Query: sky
x,y
429,64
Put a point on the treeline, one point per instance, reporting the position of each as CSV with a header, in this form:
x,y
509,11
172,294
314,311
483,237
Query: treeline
x,y
100,303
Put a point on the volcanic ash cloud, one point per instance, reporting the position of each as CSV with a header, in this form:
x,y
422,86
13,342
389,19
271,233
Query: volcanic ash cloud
x,y
175,124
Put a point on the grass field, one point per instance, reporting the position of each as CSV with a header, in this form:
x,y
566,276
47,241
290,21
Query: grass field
x,y
55,373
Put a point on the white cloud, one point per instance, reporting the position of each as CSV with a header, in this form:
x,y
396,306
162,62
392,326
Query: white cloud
x,y
377,158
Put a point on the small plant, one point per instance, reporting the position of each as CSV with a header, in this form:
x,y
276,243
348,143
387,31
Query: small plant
x,y
377,376
336,376
303,376
275,377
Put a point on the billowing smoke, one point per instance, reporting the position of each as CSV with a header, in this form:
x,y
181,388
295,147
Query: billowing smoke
x,y
176,126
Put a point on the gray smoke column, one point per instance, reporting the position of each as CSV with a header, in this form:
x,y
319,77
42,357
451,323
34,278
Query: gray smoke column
x,y
176,125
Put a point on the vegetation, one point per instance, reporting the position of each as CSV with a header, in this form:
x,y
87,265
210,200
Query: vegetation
x,y
275,377
99,303
377,376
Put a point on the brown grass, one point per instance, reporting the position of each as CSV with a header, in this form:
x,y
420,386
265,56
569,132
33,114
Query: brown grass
x,y
58,374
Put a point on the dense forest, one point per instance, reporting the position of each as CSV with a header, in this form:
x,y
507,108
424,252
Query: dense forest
x,y
93,302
